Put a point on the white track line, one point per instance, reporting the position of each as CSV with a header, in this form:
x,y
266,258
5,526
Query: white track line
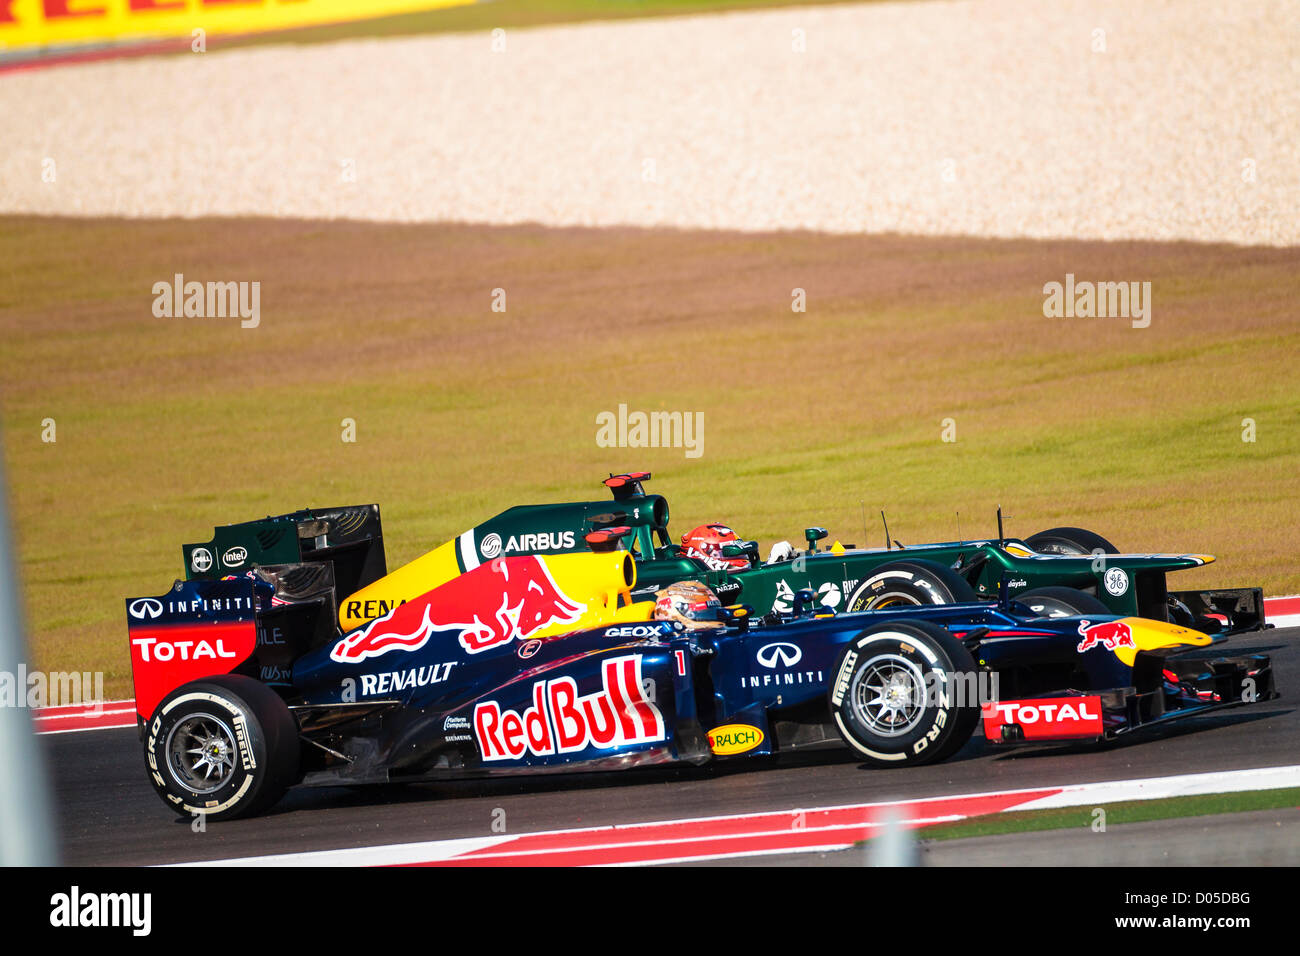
x,y
1070,795
1159,788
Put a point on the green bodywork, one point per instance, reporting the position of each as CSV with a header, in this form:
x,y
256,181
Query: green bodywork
x,y
560,528
351,539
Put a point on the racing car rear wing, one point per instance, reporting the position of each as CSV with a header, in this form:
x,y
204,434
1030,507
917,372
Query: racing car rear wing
x,y
349,538
256,624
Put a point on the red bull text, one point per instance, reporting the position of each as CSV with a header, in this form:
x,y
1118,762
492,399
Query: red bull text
x,y
559,721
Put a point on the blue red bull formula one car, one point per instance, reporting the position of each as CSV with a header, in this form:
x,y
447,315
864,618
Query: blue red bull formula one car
x,y
245,686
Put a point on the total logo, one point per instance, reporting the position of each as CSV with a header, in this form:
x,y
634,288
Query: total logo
x,y
152,649
1045,718
1022,712
530,543
780,654
561,722
200,559
235,557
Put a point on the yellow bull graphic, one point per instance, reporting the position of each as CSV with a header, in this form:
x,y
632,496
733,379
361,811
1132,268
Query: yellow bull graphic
x,y
600,584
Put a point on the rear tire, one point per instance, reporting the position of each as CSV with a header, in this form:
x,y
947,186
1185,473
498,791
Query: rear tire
x,y
224,747
1070,541
1057,601
894,699
903,583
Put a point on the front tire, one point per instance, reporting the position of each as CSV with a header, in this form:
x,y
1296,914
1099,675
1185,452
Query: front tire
x,y
1070,541
1057,601
224,747
896,698
903,583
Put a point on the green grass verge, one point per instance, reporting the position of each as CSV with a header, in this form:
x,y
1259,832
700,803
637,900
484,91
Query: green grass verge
x,y
509,15
1135,811
167,427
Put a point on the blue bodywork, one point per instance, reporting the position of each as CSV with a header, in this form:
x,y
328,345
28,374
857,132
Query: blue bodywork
x,y
641,694
416,712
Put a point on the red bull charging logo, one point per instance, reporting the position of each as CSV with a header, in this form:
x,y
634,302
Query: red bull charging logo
x,y
1111,635
518,594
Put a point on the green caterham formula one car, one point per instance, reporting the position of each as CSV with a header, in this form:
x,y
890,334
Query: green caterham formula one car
x,y
1062,571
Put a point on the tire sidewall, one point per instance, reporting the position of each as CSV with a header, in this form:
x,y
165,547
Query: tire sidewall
x,y
1070,541
938,722
913,581
1075,604
1049,607
1055,545
252,773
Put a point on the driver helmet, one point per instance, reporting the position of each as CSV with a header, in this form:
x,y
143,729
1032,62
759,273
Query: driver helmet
x,y
690,603
705,543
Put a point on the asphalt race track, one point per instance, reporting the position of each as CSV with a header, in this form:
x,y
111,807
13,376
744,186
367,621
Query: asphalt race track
x,y
109,815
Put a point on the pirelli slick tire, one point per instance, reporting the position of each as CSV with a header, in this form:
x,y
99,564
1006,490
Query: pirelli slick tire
x,y
902,583
895,694
1070,541
1056,601
223,747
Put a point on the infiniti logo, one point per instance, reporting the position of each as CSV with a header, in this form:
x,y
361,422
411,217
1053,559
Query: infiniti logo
x,y
779,655
142,608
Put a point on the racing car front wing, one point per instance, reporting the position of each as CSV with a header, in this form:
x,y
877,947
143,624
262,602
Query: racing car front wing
x,y
1187,685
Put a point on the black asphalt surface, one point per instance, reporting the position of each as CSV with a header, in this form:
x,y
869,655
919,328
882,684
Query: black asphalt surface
x,y
108,814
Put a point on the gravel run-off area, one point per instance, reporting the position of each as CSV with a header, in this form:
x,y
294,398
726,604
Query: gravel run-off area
x,y
1099,119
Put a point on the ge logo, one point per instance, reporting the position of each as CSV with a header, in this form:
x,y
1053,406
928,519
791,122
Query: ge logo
x,y
201,559
1116,581
142,608
491,546
779,655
